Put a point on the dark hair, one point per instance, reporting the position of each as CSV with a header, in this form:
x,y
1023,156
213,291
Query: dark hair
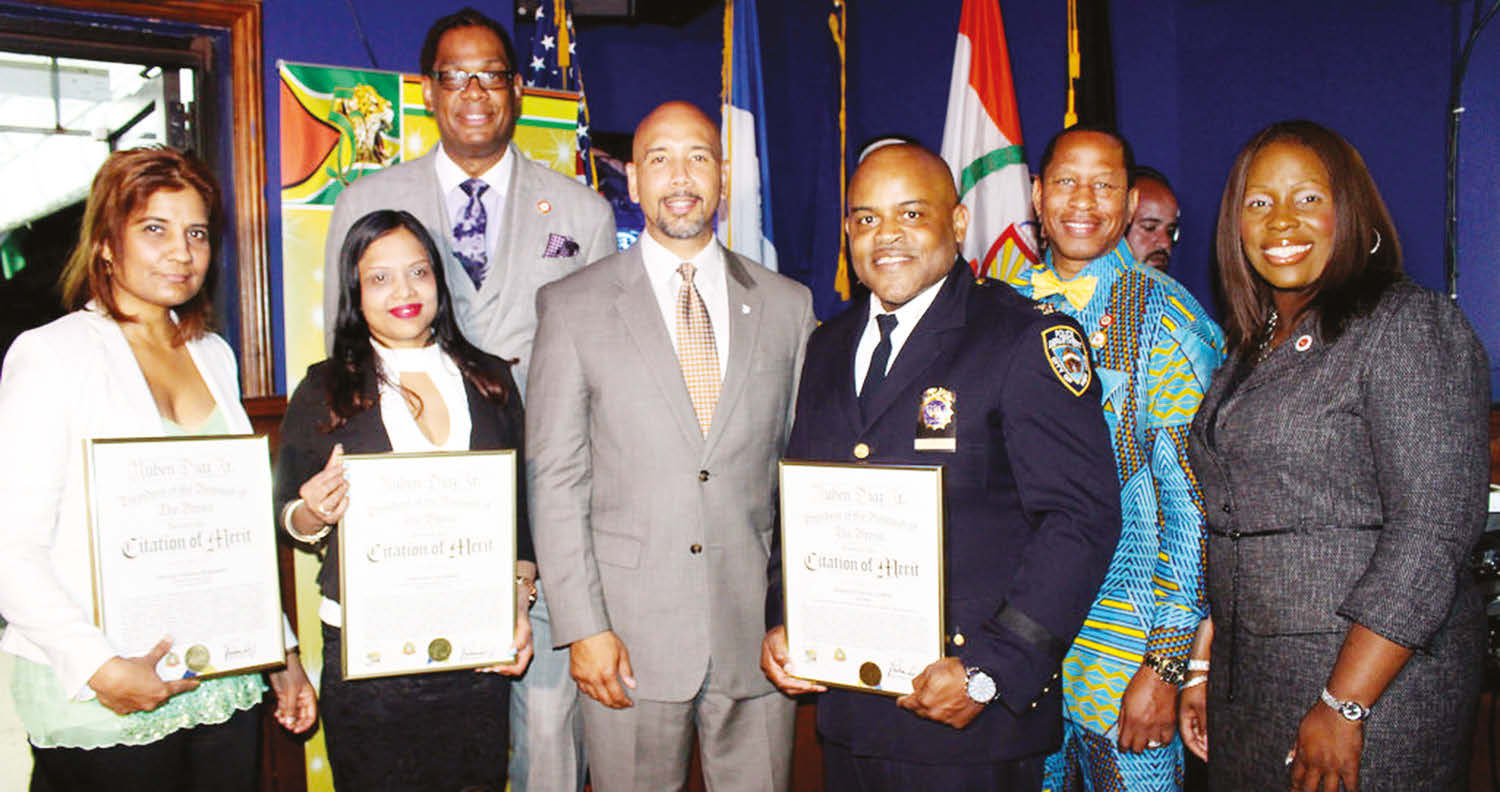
x,y
122,187
1051,148
464,17
1354,278
1147,172
349,388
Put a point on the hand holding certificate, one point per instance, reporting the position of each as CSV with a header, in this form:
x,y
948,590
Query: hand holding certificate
x,y
862,558
427,553
180,548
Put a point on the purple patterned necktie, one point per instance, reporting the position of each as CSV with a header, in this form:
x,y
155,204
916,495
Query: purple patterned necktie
x,y
468,232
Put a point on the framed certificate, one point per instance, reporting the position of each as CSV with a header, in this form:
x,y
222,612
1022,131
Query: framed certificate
x,y
862,568
180,546
427,559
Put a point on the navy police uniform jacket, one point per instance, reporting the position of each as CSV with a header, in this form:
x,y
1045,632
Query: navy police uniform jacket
x,y
1031,496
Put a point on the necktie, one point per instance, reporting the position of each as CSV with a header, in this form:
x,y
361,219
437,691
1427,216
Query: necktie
x,y
875,375
1079,290
468,232
695,349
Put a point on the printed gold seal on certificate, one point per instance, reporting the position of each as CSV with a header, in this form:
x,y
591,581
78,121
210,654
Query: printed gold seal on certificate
x,y
862,565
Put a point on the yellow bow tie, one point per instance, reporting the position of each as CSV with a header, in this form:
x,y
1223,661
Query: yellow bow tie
x,y
1079,290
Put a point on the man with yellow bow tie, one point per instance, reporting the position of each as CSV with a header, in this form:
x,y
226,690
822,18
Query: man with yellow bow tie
x,y
1155,350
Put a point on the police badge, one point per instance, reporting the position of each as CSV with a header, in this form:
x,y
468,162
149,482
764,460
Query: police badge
x,y
1068,357
936,429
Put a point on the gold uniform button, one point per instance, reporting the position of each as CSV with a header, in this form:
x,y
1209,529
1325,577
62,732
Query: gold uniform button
x,y
861,450
703,475
695,549
958,639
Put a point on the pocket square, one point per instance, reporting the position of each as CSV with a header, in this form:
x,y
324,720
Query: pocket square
x,y
559,246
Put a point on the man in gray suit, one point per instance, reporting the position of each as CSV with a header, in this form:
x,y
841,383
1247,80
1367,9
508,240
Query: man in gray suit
x,y
505,225
661,395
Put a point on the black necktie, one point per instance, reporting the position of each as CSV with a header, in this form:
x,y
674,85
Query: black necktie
x,y
878,361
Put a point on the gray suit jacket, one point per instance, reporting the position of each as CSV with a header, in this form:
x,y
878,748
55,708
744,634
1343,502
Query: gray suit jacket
x,y
499,317
643,525
1346,482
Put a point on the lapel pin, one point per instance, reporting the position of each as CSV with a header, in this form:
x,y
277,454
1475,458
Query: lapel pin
x,y
1304,343
543,206
1096,339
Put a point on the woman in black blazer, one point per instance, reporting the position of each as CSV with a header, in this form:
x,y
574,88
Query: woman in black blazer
x,y
1343,458
402,377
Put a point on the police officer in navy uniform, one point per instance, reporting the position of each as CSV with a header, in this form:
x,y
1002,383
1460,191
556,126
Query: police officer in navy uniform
x,y
1001,392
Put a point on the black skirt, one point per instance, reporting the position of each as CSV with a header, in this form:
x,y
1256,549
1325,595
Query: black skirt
x,y
445,732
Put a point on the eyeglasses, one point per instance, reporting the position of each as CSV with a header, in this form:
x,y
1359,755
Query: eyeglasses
x,y
458,79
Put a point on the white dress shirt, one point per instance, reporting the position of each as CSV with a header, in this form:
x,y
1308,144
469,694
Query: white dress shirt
x,y
450,180
708,276
907,317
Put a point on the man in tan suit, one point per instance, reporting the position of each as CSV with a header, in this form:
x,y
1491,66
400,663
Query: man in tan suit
x,y
660,397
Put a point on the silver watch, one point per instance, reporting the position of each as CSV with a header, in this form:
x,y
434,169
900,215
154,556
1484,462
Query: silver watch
x,y
1352,711
980,686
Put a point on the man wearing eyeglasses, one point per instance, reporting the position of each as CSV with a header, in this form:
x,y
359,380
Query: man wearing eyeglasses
x,y
506,226
1154,350
1153,228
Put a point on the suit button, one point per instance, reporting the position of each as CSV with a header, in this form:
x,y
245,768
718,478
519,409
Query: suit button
x,y
861,450
703,475
696,548
1227,509
958,639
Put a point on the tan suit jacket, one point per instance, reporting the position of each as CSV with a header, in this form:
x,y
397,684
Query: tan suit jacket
x,y
499,317
643,525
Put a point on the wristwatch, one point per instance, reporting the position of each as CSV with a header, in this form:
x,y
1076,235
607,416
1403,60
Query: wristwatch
x,y
1351,711
1172,670
980,686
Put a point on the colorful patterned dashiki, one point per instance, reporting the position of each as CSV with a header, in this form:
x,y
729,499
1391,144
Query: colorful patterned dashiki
x,y
1155,350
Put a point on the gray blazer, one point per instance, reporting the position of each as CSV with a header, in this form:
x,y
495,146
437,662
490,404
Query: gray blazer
x,y
499,317
1346,482
644,526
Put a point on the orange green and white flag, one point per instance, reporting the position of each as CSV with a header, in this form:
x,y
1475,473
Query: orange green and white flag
x,y
982,146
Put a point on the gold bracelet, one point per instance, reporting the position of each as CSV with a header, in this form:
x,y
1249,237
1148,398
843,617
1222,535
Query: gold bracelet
x,y
522,580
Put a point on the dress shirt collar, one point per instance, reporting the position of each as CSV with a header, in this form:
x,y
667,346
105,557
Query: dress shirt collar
x,y
661,265
450,176
907,315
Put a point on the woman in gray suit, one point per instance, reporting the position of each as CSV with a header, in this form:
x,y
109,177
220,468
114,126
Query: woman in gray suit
x,y
1344,464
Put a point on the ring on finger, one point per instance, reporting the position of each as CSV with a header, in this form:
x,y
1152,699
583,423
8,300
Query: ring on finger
x,y
325,510
1153,744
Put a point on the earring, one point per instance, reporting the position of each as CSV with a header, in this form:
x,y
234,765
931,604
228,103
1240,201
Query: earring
x,y
1375,246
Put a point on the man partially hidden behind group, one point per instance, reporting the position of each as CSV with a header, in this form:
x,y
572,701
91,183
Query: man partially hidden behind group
x,y
1154,227
1155,350
504,225
1032,514
661,391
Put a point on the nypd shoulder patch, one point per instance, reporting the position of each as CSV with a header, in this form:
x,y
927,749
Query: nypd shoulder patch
x,y
1068,357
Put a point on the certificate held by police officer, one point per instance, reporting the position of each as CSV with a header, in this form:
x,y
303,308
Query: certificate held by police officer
x,y
180,548
862,569
427,558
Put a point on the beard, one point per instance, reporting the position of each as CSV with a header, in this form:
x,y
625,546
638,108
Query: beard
x,y
688,226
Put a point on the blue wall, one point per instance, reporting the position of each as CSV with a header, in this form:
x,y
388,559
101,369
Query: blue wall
x,y
1194,78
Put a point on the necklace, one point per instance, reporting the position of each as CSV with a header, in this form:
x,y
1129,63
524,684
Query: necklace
x,y
1264,348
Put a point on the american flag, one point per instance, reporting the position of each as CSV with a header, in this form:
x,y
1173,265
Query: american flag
x,y
554,66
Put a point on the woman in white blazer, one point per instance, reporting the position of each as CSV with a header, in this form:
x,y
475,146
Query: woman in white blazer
x,y
133,359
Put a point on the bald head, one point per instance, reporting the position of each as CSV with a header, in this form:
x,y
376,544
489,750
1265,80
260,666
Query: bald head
x,y
910,159
676,175
904,223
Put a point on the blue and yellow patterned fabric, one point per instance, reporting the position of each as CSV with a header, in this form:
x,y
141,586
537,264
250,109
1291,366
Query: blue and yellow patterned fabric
x,y
1155,350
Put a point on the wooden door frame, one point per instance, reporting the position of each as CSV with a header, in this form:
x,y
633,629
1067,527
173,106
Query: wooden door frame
x,y
241,20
